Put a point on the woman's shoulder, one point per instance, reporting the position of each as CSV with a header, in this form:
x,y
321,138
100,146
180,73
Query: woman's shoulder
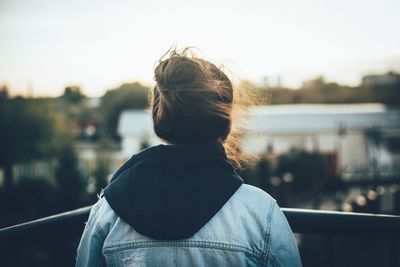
x,y
102,215
254,207
281,248
252,194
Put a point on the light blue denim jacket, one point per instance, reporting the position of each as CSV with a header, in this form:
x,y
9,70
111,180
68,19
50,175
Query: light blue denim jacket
x,y
249,230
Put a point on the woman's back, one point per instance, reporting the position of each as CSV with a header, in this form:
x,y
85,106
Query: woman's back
x,y
250,230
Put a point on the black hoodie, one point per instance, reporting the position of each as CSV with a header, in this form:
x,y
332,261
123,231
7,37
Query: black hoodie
x,y
169,192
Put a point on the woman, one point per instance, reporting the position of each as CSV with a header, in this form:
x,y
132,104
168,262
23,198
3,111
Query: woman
x,y
183,204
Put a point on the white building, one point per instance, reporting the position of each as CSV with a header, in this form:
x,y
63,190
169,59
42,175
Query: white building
x,y
345,129
136,127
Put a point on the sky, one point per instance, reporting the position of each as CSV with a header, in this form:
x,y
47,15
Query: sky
x,y
46,45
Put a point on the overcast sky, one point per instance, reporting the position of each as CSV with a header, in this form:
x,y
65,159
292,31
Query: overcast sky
x,y
99,44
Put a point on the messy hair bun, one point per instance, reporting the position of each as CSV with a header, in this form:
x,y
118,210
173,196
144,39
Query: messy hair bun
x,y
192,102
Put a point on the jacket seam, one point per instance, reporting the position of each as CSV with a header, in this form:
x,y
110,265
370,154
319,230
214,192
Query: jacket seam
x,y
274,261
100,232
97,226
267,240
200,244
92,215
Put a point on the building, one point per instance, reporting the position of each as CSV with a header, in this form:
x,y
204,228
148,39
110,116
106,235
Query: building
x,y
136,129
355,132
349,130
390,78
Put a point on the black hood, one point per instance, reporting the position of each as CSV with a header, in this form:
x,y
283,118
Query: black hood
x,y
169,192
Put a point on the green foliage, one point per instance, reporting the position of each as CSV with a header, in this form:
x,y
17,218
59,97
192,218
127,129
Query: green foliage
x,y
307,168
3,92
73,94
73,105
259,174
144,143
27,131
71,184
319,91
29,199
127,96
100,174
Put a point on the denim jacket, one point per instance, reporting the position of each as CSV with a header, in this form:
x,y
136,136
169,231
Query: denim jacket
x,y
249,230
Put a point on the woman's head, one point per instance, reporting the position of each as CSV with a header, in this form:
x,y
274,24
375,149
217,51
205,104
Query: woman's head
x,y
192,102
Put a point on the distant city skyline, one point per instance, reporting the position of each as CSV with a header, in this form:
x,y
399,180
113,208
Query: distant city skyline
x,y
47,45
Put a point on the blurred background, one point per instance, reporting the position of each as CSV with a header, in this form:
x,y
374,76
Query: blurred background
x,y
74,83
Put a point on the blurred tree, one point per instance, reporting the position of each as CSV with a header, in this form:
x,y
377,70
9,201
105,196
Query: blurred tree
x,y
127,96
72,106
27,131
4,92
73,94
100,174
318,90
144,143
315,83
307,168
259,174
263,173
70,182
102,169
30,199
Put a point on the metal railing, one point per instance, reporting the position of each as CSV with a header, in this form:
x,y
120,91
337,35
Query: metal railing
x,y
70,224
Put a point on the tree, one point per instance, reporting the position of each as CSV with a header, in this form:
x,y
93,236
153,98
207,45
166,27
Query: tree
x,y
26,132
70,182
73,94
100,174
3,92
127,96
307,168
